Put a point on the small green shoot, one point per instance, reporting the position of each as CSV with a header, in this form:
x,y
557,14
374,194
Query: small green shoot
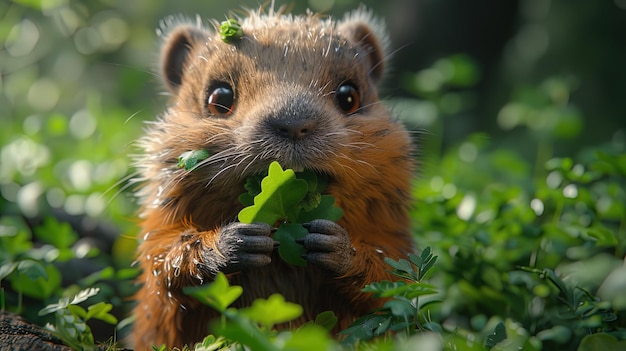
x,y
230,31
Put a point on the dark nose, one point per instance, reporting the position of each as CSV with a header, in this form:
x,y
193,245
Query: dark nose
x,y
293,129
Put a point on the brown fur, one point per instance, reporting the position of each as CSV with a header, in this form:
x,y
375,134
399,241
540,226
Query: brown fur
x,y
280,62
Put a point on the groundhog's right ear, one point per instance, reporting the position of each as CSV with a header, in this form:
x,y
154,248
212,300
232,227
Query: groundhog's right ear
x,y
176,49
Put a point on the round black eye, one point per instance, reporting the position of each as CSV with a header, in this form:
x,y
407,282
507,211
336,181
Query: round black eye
x,y
347,98
221,100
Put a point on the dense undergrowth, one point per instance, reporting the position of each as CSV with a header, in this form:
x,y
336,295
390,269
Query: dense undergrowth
x,y
522,247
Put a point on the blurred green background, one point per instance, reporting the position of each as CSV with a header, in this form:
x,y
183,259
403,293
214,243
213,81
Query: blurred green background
x,y
528,80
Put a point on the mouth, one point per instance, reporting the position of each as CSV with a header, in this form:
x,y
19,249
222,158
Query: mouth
x,y
316,180
282,195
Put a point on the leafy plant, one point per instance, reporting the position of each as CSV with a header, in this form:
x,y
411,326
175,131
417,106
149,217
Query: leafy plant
x,y
286,200
253,326
403,311
31,261
71,319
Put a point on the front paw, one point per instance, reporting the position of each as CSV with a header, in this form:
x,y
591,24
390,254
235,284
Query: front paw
x,y
328,246
245,246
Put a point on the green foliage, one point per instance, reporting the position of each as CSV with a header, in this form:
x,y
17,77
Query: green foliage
x,y
34,273
253,326
70,319
499,335
280,195
403,311
289,250
286,199
503,238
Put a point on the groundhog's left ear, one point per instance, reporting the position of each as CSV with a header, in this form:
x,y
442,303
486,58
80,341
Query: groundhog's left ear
x,y
363,29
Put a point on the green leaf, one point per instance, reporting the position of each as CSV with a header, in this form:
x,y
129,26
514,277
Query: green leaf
x,y
73,330
190,159
316,184
601,341
602,236
424,262
363,328
401,308
15,237
243,331
100,311
7,268
325,209
312,179
65,301
36,280
281,193
400,288
311,201
210,343
559,334
230,31
310,337
271,311
32,269
384,326
402,268
326,320
499,334
253,188
59,234
217,294
77,311
289,250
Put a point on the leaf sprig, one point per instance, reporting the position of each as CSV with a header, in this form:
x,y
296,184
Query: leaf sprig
x,y
230,31
286,200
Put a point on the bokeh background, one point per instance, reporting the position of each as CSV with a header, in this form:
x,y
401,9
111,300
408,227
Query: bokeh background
x,y
538,78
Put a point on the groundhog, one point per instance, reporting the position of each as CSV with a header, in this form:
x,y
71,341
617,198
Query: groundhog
x,y
300,90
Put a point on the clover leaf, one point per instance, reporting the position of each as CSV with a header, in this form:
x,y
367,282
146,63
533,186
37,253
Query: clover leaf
x,y
280,193
286,199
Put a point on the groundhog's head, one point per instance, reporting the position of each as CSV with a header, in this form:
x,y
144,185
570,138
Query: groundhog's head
x,y
301,90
